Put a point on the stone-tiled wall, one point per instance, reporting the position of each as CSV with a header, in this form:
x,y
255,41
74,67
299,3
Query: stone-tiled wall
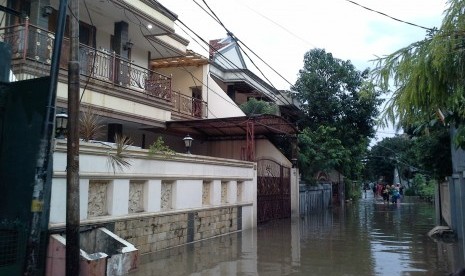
x,y
97,205
154,233
136,197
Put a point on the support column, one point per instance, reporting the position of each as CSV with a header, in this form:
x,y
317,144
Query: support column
x,y
36,15
231,195
118,197
120,38
215,192
152,196
187,194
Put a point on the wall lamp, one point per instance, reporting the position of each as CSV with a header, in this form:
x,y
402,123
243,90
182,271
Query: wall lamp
x,y
188,143
294,162
47,10
128,45
61,122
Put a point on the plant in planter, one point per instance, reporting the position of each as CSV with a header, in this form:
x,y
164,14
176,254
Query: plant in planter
x,y
159,146
117,157
90,127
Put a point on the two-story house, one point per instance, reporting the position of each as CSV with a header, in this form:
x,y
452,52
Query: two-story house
x,y
140,80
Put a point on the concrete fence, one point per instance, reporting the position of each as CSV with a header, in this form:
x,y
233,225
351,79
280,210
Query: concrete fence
x,y
159,201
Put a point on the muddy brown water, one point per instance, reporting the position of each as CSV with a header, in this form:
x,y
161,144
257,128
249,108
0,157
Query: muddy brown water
x,y
364,238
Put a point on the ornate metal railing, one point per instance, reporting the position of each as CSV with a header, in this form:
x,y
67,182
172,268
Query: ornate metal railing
x,y
273,190
33,46
188,105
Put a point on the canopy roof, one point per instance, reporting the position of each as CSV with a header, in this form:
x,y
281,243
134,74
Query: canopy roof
x,y
232,127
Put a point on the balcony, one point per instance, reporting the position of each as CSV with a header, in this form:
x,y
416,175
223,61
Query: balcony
x,y
32,53
186,105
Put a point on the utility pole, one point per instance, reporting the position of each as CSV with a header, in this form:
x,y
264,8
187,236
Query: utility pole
x,y
43,173
72,169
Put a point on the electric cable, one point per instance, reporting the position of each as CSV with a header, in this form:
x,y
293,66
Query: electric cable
x,y
94,56
238,40
190,73
216,18
391,17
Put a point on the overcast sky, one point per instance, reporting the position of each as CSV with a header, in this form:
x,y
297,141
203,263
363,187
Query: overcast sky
x,y
281,32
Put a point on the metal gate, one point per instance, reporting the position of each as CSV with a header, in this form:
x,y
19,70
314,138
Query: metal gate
x,y
23,236
273,190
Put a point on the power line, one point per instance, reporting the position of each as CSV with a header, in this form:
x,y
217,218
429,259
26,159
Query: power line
x,y
238,40
396,19
279,25
185,69
215,17
224,57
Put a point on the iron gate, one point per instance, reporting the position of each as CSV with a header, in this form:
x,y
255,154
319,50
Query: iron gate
x,y
273,190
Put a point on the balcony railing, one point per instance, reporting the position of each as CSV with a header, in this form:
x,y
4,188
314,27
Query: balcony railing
x,y
33,44
188,105
32,53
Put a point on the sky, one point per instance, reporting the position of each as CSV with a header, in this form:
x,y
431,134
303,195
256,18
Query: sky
x,y
281,32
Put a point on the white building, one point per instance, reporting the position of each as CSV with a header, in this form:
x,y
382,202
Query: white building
x,y
139,78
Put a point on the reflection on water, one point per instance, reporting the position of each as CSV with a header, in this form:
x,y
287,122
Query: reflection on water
x,y
368,238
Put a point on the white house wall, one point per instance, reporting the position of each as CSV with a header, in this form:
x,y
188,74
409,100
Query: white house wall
x,y
220,105
114,104
265,149
183,78
144,8
232,149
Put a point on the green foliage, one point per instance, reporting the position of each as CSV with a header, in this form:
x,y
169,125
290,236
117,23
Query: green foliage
x,y
258,107
409,192
320,151
90,127
333,93
353,189
387,155
159,146
428,76
117,158
425,189
432,153
340,108
428,154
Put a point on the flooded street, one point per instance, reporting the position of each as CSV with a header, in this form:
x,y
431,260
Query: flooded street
x,y
367,238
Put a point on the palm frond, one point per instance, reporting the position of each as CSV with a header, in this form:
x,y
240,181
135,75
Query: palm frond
x,y
90,127
117,158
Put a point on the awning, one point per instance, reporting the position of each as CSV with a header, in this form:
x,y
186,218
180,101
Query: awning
x,y
232,127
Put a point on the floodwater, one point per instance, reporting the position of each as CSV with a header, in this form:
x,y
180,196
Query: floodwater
x,y
365,238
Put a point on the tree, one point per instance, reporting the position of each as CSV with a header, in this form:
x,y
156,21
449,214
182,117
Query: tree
x,y
387,155
428,155
320,151
335,95
256,107
428,76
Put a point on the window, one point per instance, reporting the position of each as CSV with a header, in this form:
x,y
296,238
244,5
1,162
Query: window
x,y
86,32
